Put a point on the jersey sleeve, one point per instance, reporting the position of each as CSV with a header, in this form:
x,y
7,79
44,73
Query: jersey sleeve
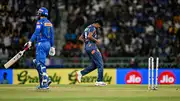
x,y
92,29
37,31
52,37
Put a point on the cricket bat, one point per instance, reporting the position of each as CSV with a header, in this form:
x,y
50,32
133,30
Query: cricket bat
x,y
15,58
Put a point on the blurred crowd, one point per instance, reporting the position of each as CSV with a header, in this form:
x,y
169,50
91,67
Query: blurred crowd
x,y
131,27
17,22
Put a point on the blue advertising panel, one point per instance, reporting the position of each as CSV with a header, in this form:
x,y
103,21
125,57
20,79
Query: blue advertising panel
x,y
8,73
140,76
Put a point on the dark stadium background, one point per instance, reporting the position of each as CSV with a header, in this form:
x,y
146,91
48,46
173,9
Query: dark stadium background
x,y
133,31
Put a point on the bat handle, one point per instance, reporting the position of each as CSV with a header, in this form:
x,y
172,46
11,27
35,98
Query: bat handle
x,y
25,49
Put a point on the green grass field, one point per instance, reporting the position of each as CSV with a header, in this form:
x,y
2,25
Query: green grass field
x,y
89,93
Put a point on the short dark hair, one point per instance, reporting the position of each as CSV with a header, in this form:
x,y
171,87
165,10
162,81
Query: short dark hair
x,y
99,21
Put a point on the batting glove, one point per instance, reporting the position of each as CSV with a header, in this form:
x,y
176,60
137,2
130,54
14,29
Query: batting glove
x,y
52,51
28,44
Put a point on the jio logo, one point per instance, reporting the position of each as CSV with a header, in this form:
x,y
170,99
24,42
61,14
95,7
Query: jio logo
x,y
166,77
133,77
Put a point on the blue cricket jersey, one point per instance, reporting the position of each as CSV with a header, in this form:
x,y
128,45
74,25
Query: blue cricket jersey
x,y
44,32
89,44
87,30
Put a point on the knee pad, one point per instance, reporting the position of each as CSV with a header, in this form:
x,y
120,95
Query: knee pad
x,y
38,66
36,63
41,68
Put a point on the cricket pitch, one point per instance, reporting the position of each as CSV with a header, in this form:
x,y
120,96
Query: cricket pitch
x,y
89,93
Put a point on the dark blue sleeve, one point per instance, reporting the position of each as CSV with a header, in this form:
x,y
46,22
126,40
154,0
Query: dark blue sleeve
x,y
52,37
36,32
92,29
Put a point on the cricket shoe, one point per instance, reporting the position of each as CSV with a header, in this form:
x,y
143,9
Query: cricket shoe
x,y
100,83
45,85
78,76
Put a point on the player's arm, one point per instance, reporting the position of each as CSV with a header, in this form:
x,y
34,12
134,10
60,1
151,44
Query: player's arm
x,y
52,51
81,38
52,37
36,32
33,37
90,36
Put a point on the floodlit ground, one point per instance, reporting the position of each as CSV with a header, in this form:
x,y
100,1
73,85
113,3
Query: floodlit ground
x,y
89,93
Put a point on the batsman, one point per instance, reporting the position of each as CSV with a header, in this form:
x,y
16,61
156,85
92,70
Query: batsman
x,y
89,37
44,37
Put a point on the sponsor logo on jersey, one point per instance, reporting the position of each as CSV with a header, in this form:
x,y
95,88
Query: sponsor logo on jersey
x,y
47,24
